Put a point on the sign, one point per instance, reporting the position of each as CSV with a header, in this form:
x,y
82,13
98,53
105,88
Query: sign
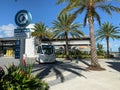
x,y
23,18
22,33
17,49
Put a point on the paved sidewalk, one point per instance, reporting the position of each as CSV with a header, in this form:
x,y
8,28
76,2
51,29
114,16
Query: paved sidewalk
x,y
68,75
91,80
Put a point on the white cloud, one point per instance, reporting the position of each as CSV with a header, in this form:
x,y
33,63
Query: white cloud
x,y
7,30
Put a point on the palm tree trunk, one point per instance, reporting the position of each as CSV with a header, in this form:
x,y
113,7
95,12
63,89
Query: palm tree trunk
x,y
94,59
40,40
107,40
67,47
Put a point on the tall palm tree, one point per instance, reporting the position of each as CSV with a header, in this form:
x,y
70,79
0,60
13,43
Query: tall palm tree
x,y
41,31
63,29
90,8
108,31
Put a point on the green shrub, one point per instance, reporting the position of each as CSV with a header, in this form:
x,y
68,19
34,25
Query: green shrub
x,y
79,56
61,56
89,56
110,56
20,79
101,57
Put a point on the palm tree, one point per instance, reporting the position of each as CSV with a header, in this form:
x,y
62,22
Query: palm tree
x,y
108,31
41,31
100,50
62,29
89,7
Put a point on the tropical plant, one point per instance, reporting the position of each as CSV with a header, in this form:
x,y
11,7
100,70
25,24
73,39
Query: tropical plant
x,y
41,31
108,31
1,72
100,50
20,79
90,8
63,29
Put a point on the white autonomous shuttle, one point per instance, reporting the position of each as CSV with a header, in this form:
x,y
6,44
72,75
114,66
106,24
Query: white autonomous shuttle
x,y
45,53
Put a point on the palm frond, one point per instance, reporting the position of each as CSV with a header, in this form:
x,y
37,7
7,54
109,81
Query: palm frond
x,y
105,8
113,8
96,15
85,19
61,26
41,31
108,30
61,1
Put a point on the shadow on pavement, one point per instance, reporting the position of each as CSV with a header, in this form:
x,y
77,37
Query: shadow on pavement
x,y
84,61
115,65
57,69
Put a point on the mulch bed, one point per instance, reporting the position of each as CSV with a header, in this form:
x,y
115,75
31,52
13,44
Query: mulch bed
x,y
95,68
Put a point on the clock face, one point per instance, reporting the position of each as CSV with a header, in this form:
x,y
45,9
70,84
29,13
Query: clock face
x,y
23,18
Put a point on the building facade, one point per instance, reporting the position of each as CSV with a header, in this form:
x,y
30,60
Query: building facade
x,y
10,46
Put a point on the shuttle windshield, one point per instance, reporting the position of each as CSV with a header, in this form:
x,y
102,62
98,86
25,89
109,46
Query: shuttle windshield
x,y
46,49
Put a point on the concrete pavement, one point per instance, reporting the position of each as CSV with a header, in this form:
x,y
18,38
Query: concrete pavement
x,y
68,75
95,80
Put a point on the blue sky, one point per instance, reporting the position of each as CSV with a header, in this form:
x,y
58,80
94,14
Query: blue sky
x,y
45,11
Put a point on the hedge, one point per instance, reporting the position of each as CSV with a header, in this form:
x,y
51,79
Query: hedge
x,y
79,56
